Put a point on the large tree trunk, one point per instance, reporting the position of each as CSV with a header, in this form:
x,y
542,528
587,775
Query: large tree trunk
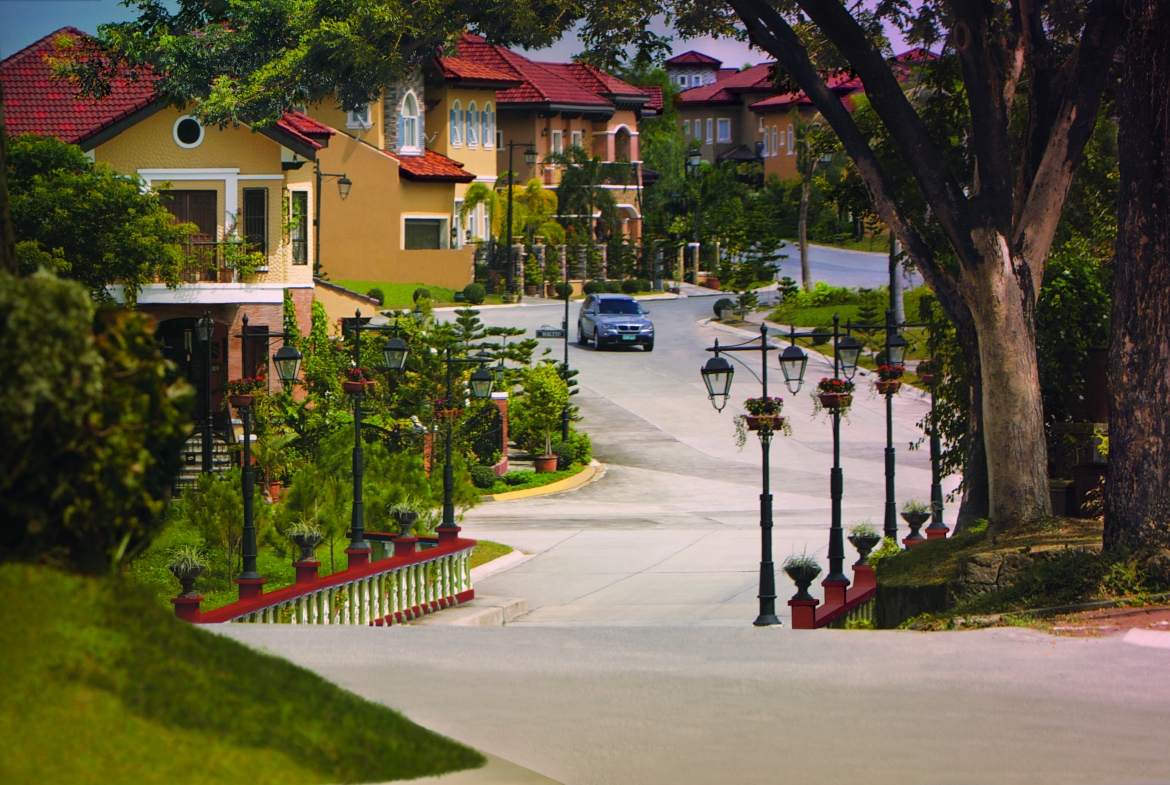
x,y
806,281
7,237
1137,495
976,502
1003,308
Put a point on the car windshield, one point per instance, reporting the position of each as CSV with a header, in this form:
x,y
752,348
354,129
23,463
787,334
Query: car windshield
x,y
619,306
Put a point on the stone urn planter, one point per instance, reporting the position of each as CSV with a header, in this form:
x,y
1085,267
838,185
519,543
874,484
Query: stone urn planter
x,y
239,401
308,544
802,574
405,522
187,577
836,400
889,387
545,463
763,422
915,520
864,545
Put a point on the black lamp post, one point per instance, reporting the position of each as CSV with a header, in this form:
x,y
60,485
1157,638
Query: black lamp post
x,y
286,369
481,387
343,186
846,353
717,376
394,353
205,329
530,159
694,166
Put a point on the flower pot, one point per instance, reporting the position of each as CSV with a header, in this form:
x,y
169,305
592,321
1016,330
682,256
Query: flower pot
x,y
308,544
803,577
353,388
274,491
888,387
240,400
836,400
915,520
928,378
763,422
405,523
530,291
864,545
545,463
187,580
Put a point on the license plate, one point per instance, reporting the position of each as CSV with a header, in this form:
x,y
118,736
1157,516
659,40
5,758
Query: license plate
x,y
629,337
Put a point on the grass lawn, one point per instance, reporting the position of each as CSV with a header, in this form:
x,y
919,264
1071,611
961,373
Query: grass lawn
x,y
537,480
102,686
486,551
400,295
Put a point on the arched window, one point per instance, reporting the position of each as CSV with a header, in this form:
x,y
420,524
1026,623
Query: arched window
x,y
621,144
489,125
457,124
472,125
409,133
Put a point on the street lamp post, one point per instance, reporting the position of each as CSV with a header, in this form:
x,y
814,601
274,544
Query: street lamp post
x,y
394,353
343,186
846,352
530,159
206,329
481,387
694,167
717,376
287,369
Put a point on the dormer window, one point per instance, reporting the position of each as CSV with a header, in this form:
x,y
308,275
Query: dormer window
x,y
456,124
359,120
408,124
472,125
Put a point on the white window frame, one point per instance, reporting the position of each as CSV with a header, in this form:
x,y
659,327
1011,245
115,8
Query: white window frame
x,y
413,122
456,123
696,80
575,139
722,137
184,145
360,120
488,125
791,151
499,140
444,228
472,132
776,135
557,142
710,130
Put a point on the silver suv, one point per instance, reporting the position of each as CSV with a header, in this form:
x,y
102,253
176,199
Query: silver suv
x,y
614,320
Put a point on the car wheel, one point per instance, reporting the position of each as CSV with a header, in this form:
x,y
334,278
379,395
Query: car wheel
x,y
650,346
580,335
597,344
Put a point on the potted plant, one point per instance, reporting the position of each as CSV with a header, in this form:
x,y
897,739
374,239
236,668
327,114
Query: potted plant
x,y
763,413
889,379
915,513
447,407
865,538
545,397
242,392
306,536
835,393
356,381
405,513
928,371
187,563
803,570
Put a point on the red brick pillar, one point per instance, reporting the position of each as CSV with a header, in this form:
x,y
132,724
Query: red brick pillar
x,y
500,399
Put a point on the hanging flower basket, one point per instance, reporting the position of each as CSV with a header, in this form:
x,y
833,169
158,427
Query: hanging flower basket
x,y
835,400
354,388
927,371
763,422
239,401
834,393
242,392
928,378
888,387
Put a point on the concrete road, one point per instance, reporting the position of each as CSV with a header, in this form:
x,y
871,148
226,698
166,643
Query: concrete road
x,y
670,535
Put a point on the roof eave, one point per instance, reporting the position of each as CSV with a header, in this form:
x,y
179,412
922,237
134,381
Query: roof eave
x,y
301,146
106,133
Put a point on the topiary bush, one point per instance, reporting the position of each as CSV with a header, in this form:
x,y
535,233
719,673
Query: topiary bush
x,y
644,285
420,293
822,335
594,287
475,293
483,476
566,454
516,478
377,294
630,286
723,304
564,290
613,287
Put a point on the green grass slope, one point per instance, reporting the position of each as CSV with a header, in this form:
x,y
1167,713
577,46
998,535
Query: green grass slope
x,y
100,686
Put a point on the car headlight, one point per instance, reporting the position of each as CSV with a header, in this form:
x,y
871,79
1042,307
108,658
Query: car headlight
x,y
608,328
648,328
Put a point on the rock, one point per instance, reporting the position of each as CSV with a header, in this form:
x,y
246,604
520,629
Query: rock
x,y
1157,566
982,569
1013,565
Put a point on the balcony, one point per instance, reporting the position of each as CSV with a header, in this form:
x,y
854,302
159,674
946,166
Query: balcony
x,y
212,262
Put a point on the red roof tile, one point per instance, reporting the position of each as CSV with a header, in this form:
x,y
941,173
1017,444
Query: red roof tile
x,y
36,103
843,84
655,103
431,167
693,58
917,55
758,78
464,70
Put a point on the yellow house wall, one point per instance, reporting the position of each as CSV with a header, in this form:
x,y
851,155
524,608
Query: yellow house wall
x,y
479,160
333,116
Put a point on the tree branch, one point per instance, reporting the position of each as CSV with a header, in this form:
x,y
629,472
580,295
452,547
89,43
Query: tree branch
x,y
1072,125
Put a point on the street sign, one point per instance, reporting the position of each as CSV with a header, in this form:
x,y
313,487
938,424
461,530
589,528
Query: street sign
x,y
550,332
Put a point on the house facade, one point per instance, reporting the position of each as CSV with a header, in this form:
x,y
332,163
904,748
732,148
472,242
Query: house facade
x,y
240,188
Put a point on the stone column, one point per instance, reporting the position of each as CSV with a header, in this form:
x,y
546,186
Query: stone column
x,y
563,258
604,252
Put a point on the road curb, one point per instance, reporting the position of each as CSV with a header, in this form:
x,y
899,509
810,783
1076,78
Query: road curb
x,y
497,772
481,612
591,472
505,562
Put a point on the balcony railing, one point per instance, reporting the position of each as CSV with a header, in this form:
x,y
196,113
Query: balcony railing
x,y
209,262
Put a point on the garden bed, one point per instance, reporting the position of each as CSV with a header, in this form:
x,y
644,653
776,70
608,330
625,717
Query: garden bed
x,y
487,551
139,696
537,480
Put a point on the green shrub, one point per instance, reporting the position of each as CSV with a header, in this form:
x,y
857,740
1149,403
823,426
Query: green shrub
x,y
822,335
516,478
631,286
564,290
613,287
644,285
475,293
594,287
377,294
420,293
483,476
566,454
723,304
582,446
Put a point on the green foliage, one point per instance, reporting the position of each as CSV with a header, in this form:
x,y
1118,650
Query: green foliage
x,y
889,547
186,557
788,288
594,287
722,305
474,293
483,476
86,222
613,287
92,419
377,294
631,286
915,507
566,454
863,529
543,401
564,290
420,293
516,478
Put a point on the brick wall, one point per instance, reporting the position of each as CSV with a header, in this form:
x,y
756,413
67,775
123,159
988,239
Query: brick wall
x,y
392,103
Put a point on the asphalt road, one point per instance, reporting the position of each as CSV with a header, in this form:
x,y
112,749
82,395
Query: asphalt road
x,y
838,267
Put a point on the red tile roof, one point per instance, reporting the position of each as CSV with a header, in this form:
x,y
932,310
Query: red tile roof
x,y
757,79
693,58
464,70
655,104
843,84
36,103
431,167
917,55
